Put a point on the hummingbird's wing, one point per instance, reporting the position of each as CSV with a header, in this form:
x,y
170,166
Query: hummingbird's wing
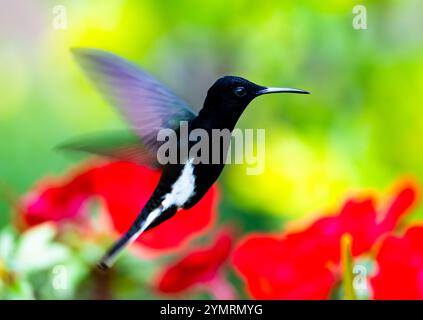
x,y
146,104
119,145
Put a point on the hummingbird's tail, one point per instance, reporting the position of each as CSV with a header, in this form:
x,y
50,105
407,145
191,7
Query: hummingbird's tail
x,y
144,221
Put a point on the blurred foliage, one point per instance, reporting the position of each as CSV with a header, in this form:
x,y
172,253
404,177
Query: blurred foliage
x,y
360,128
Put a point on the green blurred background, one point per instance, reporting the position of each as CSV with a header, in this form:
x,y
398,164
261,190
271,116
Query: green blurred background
x,y
360,129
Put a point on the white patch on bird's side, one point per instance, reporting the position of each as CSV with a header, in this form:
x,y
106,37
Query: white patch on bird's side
x,y
182,189
150,218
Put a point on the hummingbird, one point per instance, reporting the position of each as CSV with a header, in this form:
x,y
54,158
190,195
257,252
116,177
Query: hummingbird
x,y
149,106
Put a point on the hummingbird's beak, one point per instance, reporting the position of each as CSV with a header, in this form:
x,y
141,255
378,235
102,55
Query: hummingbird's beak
x,y
281,90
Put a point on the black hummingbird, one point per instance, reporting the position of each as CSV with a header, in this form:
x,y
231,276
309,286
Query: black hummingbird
x,y
148,106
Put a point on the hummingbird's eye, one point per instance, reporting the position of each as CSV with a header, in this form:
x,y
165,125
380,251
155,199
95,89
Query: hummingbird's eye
x,y
240,91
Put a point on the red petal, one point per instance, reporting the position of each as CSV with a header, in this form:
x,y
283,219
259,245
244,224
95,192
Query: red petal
x,y
358,218
57,200
275,269
400,267
406,197
199,266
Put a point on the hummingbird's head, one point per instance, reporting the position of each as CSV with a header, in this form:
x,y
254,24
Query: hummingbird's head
x,y
235,93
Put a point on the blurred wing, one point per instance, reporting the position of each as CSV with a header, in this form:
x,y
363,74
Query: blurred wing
x,y
145,103
119,145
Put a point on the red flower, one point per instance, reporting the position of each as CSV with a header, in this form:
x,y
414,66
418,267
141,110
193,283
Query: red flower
x,y
124,188
55,200
400,267
301,265
274,269
200,267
